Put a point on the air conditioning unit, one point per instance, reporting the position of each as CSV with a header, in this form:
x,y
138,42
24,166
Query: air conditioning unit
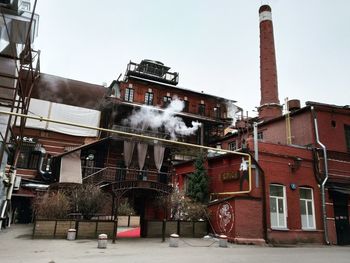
x,y
17,183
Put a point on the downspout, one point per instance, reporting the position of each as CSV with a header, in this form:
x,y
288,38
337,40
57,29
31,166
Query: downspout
x,y
323,198
256,157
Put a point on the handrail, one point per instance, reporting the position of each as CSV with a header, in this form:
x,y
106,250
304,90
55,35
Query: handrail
x,y
90,175
153,139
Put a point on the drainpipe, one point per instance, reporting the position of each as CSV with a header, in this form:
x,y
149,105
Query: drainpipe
x,y
256,152
256,157
323,198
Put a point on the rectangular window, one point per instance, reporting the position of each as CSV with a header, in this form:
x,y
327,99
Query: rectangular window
x,y
129,95
166,101
149,98
201,109
217,112
28,158
260,136
232,146
347,136
278,211
186,106
307,209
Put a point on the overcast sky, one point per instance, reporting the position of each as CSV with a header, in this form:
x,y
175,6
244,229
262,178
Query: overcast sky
x,y
213,44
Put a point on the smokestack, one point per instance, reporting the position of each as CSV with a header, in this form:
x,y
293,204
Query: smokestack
x,y
269,105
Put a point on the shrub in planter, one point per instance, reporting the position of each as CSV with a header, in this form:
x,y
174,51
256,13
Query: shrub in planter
x,y
52,205
88,200
125,209
185,208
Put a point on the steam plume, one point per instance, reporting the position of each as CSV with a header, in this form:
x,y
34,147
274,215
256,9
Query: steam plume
x,y
151,117
232,112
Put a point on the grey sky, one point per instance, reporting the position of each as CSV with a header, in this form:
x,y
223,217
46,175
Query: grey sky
x,y
214,45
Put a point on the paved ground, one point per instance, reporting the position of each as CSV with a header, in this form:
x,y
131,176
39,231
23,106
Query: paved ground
x,y
16,245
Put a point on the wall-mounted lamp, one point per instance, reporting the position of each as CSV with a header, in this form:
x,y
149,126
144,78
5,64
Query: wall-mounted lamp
x,y
293,186
295,165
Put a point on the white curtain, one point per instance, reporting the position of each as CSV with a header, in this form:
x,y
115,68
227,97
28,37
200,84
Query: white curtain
x,y
128,152
141,154
63,112
158,155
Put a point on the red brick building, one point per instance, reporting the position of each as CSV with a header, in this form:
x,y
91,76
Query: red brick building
x,y
301,190
101,156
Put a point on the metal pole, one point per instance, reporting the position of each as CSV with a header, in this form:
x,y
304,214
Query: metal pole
x,y
154,139
256,152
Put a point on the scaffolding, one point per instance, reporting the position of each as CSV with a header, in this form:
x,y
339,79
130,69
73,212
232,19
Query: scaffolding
x,y
19,71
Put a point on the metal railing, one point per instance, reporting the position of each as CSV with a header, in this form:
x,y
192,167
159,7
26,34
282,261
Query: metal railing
x,y
159,73
97,175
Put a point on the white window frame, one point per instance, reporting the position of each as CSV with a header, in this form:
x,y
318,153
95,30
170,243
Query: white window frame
x,y
129,94
307,212
149,95
284,198
232,146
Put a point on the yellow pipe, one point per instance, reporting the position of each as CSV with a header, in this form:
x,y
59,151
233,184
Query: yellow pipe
x,y
144,137
250,182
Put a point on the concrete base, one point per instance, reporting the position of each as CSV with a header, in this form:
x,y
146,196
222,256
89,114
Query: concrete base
x,y
250,241
102,241
71,235
174,240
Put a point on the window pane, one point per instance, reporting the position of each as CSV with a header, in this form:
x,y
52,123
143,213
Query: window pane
x,y
280,206
302,207
273,212
303,213
273,205
311,221
276,190
305,193
309,207
281,220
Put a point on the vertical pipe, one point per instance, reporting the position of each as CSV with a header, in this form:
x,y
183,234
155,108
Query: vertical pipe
x,y
256,152
323,198
202,134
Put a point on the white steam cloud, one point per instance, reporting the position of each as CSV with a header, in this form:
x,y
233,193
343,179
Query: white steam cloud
x,y
232,112
151,117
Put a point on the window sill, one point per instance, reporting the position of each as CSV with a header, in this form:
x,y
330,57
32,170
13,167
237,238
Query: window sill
x,y
309,229
279,229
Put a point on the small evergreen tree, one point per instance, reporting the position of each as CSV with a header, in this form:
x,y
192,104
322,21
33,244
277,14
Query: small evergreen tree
x,y
198,185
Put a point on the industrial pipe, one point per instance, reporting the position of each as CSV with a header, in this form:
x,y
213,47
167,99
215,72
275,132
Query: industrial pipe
x,y
145,137
323,198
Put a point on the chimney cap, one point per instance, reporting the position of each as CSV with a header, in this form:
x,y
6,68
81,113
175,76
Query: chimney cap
x,y
264,8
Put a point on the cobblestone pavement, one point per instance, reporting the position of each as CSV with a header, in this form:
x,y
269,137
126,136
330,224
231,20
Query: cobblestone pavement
x,y
16,245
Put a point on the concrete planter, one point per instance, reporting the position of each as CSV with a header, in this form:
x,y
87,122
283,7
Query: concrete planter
x,y
87,229
183,228
128,221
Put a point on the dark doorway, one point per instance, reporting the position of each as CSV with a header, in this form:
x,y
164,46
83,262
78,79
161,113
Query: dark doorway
x,y
341,214
139,206
22,210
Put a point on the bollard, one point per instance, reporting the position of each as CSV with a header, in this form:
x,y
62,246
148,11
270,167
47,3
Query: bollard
x,y
71,234
223,241
102,241
174,240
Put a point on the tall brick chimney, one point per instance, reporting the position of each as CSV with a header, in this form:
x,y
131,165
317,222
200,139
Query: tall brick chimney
x,y
269,104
